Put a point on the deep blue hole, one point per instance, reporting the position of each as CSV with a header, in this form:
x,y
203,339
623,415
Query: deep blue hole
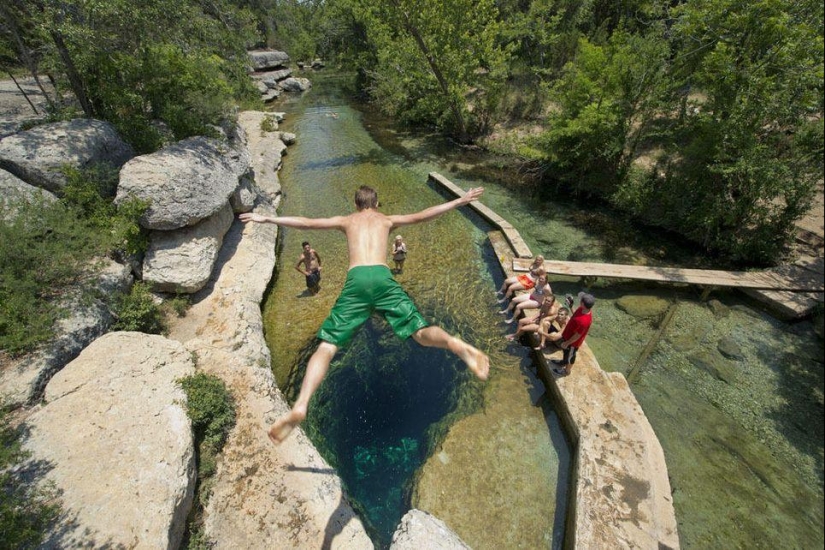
x,y
375,415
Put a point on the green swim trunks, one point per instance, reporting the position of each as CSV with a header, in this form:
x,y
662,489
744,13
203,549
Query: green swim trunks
x,y
370,288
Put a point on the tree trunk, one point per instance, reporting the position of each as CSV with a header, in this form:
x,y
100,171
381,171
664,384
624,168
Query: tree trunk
x,y
463,137
24,53
71,71
22,91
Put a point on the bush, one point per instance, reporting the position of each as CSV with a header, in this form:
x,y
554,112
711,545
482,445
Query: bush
x,y
137,311
212,411
47,249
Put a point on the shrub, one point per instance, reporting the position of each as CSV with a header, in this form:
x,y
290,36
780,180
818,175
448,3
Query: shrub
x,y
212,411
47,248
137,311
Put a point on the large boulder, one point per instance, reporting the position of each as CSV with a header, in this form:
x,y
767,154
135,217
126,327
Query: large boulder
x,y
38,156
24,379
116,443
422,530
267,59
183,183
293,84
271,78
182,260
15,192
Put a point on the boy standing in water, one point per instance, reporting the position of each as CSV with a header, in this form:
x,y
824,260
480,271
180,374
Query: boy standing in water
x,y
369,287
312,267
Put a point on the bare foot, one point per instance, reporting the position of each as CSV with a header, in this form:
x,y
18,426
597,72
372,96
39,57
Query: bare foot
x,y
511,337
503,312
477,361
282,427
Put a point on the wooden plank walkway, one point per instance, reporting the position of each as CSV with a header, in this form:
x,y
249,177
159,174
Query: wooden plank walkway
x,y
513,237
786,278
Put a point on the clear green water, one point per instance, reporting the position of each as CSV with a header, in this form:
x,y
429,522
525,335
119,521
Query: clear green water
x,y
743,434
386,403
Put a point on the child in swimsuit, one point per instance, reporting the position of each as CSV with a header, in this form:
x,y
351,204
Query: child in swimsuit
x,y
399,253
522,281
532,300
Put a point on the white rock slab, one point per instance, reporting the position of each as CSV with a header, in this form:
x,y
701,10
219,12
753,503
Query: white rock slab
x,y
116,443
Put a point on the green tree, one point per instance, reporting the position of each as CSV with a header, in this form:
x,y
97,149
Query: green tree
x,y
439,62
607,97
132,63
750,147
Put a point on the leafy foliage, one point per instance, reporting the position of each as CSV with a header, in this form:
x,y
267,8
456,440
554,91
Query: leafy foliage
x,y
138,311
179,62
44,251
49,249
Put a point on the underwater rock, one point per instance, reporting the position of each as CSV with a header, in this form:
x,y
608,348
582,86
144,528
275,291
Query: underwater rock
x,y
719,309
714,365
730,348
422,530
642,307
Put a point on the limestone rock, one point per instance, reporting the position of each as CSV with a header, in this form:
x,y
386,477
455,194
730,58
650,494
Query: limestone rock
x,y
182,260
293,84
271,78
288,138
38,156
118,444
14,191
719,309
421,530
243,199
642,307
184,183
268,59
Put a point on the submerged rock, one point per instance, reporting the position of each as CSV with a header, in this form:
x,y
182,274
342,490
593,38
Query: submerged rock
x,y
421,530
642,307
715,365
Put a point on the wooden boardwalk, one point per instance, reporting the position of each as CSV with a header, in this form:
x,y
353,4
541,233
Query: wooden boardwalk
x,y
789,291
518,245
788,278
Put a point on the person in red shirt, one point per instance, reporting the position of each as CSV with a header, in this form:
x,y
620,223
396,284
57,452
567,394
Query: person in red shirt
x,y
574,333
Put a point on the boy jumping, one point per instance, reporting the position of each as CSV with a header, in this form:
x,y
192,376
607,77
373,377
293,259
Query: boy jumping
x,y
369,287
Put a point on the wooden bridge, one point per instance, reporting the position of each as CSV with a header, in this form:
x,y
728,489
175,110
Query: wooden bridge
x,y
790,291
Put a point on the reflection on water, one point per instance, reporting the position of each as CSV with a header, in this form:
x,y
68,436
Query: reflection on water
x,y
735,396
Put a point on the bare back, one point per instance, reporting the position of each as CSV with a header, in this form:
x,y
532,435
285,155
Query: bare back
x,y
368,233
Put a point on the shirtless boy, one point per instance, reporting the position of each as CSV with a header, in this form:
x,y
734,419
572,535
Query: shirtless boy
x,y
369,287
311,262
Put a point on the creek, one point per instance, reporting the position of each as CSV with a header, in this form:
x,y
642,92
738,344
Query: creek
x,y
734,395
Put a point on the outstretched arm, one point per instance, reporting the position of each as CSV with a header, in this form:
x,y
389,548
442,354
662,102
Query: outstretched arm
x,y
435,211
336,222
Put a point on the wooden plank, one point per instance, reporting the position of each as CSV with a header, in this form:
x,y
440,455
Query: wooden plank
x,y
520,248
766,280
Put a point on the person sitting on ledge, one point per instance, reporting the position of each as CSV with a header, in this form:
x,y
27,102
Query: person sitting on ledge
x,y
529,301
550,330
547,312
369,287
522,281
